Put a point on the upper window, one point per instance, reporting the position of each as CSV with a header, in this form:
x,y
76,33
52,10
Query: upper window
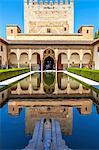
x,y
1,48
87,31
64,28
48,30
11,31
98,49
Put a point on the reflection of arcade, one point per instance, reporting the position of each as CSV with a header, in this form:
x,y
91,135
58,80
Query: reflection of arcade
x,y
3,97
49,83
60,110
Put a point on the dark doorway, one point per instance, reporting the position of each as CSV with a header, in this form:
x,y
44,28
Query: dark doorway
x,y
0,62
49,64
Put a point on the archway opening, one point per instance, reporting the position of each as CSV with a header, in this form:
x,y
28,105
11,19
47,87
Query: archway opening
x,y
24,61
13,63
35,62
86,60
62,61
49,63
75,60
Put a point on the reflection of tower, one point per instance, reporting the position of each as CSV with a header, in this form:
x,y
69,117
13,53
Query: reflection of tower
x,y
62,114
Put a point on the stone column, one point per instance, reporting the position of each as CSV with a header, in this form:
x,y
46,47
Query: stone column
x,y
18,57
68,56
30,55
41,57
81,57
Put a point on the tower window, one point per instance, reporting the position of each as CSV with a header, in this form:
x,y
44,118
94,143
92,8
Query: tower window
x,y
98,49
48,30
87,31
1,48
64,28
11,31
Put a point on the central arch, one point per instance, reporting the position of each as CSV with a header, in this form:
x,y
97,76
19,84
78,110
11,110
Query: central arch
x,y
49,59
49,63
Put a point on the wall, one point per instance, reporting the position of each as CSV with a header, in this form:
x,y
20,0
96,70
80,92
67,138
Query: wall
x,y
96,56
37,18
3,55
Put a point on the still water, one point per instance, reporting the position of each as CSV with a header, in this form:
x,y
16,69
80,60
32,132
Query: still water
x,y
49,95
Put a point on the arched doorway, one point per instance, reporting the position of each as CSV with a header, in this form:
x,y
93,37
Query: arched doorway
x,y
35,62
86,60
24,61
49,60
13,63
62,61
49,63
75,60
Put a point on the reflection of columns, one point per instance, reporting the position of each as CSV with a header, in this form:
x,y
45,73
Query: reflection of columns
x,y
41,57
30,54
80,88
30,88
18,88
41,84
56,72
68,86
56,88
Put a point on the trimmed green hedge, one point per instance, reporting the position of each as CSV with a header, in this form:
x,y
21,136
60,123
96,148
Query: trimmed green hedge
x,y
9,73
87,73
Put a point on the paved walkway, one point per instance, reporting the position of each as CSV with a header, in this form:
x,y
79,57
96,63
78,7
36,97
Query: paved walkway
x,y
14,79
83,79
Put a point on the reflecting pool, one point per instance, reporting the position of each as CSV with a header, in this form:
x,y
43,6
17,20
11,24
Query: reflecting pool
x,y
49,95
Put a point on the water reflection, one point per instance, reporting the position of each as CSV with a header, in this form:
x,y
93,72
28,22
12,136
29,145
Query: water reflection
x,y
60,110
48,95
49,83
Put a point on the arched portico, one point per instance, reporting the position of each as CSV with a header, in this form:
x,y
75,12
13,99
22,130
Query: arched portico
x,y
49,60
75,60
24,61
13,63
86,60
35,61
62,62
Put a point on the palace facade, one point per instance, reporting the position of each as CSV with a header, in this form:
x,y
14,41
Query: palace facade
x,y
49,41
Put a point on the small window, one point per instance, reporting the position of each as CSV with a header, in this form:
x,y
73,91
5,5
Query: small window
x,y
1,48
64,28
48,30
87,31
98,49
11,31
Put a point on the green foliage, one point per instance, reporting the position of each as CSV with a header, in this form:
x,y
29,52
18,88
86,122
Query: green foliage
x,y
49,78
96,35
87,73
9,73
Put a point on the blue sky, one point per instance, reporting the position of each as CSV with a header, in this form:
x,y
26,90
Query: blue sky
x,y
11,12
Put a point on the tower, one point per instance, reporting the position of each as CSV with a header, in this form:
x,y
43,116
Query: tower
x,y
40,17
